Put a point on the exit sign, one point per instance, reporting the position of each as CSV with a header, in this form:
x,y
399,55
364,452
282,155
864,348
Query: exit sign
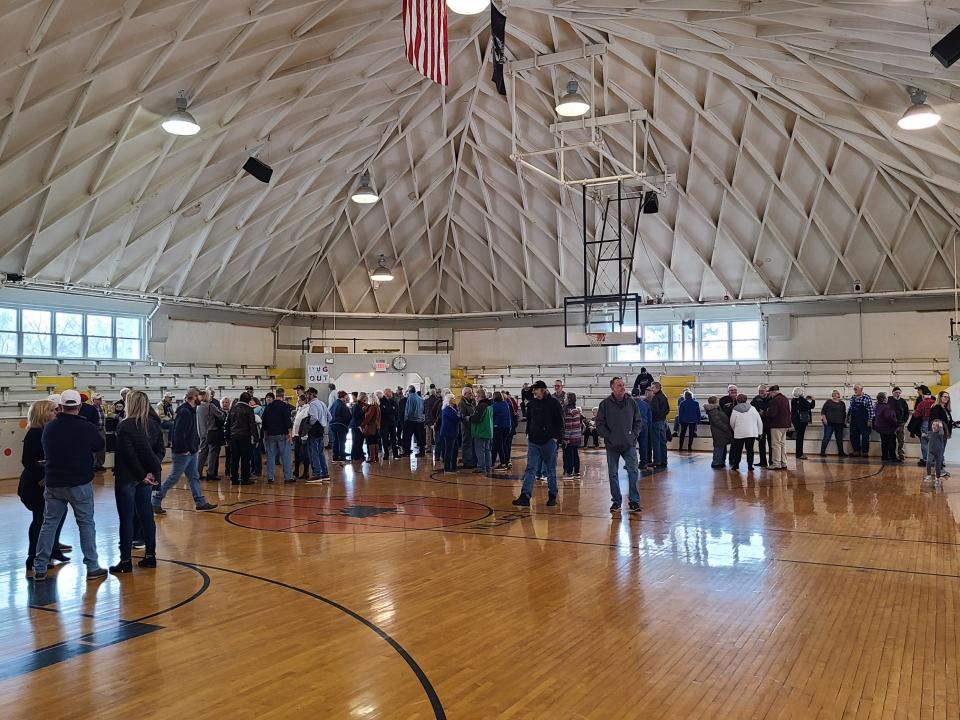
x,y
380,365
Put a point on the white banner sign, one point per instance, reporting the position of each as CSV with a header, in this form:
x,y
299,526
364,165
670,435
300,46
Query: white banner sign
x,y
318,374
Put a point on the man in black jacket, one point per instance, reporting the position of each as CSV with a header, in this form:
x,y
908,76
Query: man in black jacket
x,y
241,434
277,428
69,443
659,409
544,433
762,402
185,440
388,425
902,409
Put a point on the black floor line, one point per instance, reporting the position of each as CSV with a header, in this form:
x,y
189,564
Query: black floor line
x,y
428,688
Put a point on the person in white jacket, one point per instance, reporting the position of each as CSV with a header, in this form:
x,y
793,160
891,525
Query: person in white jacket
x,y
747,426
300,429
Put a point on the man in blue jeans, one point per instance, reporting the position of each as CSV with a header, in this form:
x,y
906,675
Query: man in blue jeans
x,y
544,432
276,425
619,424
69,444
646,417
185,441
319,417
659,409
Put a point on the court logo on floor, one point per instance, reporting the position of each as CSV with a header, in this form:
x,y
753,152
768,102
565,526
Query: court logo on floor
x,y
359,514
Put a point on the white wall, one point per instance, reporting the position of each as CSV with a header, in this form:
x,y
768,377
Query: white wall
x,y
223,343
519,346
893,335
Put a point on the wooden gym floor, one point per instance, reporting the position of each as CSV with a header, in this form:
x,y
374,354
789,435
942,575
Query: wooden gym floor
x,y
825,592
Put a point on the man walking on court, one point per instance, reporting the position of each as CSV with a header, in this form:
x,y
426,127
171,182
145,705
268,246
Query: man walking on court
x,y
413,422
619,424
69,445
185,440
544,433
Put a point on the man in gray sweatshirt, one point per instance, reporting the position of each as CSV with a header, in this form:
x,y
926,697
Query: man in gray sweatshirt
x,y
619,423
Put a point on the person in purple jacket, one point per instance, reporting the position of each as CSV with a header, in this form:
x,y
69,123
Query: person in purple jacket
x,y
885,422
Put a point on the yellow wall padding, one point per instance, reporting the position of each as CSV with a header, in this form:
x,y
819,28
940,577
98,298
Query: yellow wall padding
x,y
59,383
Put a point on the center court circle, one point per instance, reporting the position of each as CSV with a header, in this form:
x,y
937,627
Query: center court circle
x,y
359,514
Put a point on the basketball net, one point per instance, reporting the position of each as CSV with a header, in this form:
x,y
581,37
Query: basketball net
x,y
596,339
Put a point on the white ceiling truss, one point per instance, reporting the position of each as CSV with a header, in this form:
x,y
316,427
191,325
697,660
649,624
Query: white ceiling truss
x,y
778,119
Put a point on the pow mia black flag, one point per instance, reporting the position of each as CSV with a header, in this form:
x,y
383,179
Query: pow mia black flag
x,y
498,27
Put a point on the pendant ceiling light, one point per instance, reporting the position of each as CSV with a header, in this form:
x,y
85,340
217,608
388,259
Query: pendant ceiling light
x,y
365,194
468,7
919,116
381,273
181,122
573,104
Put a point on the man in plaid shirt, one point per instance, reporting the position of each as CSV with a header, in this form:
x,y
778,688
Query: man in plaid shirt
x,y
860,418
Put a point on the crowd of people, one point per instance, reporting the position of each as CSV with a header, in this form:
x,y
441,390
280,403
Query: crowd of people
x,y
68,436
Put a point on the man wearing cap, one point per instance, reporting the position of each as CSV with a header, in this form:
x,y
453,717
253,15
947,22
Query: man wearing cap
x,y
69,443
185,441
902,410
167,414
777,418
544,432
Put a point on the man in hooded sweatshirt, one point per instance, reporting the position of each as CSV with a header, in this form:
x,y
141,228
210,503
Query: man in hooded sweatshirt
x,y
619,423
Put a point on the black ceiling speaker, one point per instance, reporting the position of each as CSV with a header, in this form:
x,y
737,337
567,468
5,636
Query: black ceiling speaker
x,y
651,204
261,171
947,51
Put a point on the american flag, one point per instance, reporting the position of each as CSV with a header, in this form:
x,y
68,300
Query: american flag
x,y
425,37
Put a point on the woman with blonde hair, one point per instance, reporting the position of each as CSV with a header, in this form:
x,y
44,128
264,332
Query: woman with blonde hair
x,y
140,448
371,428
31,485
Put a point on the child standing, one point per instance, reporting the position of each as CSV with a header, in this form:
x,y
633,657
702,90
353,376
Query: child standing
x,y
936,441
572,437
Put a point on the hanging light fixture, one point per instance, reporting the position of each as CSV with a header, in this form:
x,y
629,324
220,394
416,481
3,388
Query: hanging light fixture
x,y
181,122
468,7
365,194
382,273
573,104
919,116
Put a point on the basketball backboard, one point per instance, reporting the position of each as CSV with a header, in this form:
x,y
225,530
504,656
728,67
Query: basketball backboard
x,y
601,320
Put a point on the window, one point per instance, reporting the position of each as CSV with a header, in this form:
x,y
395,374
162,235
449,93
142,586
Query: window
x,y
716,340
37,337
100,336
38,332
9,325
69,335
128,338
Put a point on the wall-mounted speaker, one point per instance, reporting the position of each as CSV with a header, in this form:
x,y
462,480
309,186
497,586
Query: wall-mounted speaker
x,y
947,50
260,170
651,204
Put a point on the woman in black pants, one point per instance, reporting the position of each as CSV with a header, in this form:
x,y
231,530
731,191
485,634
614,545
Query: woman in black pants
x,y
800,416
30,489
140,448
